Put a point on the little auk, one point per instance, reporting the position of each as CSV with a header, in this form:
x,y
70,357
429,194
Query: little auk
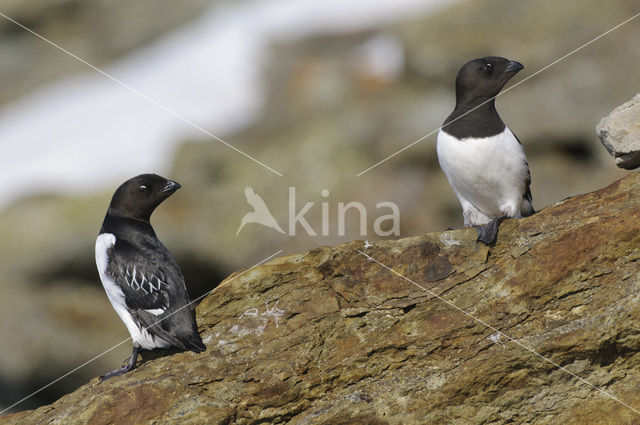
x,y
141,278
482,159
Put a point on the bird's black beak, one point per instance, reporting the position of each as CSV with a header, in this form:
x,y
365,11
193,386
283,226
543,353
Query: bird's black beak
x,y
171,187
514,67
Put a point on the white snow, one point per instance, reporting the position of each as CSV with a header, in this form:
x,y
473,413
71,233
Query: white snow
x,y
88,131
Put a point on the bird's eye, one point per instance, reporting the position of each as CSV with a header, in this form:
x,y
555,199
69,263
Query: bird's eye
x,y
488,68
142,189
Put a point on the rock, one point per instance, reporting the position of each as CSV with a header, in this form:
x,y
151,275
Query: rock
x,y
619,132
332,337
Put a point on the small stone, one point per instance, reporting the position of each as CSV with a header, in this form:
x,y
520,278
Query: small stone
x,y
619,132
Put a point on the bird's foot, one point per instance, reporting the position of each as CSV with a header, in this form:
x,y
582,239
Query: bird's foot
x,y
124,369
488,233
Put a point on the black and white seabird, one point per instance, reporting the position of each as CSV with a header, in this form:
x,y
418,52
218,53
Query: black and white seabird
x,y
141,278
482,159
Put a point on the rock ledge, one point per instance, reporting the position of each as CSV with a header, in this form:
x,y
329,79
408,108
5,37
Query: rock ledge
x,y
330,337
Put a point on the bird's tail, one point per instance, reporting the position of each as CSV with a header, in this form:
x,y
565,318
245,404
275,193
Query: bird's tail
x,y
178,329
527,205
187,340
195,344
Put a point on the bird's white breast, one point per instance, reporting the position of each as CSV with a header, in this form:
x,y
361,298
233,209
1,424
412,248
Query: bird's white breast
x,y
487,174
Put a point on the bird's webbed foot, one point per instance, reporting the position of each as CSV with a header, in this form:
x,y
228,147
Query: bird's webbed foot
x,y
488,233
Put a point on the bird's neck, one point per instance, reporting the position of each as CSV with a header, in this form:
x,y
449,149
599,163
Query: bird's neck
x,y
474,117
120,225
468,102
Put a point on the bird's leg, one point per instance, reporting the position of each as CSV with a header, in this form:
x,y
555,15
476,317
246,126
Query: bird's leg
x,y
126,368
488,233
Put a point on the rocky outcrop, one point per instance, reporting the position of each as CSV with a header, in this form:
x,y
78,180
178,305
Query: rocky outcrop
x,y
619,132
451,332
329,113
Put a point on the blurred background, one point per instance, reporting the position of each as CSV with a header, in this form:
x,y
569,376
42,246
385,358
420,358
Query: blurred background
x,y
317,90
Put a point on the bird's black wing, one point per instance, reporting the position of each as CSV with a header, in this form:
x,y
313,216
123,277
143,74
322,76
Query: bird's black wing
x,y
154,291
527,200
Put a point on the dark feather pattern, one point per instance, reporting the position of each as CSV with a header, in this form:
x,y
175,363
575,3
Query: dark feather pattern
x,y
527,199
150,279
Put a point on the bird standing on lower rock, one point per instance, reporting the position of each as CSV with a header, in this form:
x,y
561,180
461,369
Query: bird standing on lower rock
x,y
141,278
482,159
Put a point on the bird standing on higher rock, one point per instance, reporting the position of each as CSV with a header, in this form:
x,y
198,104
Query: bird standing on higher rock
x,y
141,278
482,159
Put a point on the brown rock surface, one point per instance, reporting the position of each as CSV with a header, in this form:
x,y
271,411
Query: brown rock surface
x,y
331,337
